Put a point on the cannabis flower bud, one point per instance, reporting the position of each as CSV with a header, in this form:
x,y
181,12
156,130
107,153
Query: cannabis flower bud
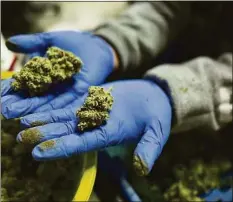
x,y
96,108
34,76
64,63
39,73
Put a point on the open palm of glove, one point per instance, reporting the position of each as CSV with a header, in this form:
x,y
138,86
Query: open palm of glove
x,y
141,114
95,53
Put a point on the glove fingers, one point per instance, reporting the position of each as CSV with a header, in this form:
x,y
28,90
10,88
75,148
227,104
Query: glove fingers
x,y
74,144
25,106
59,115
9,99
83,81
58,102
29,43
147,151
6,87
47,132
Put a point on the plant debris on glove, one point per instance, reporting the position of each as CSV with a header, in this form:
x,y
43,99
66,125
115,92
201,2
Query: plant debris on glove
x,y
39,73
96,108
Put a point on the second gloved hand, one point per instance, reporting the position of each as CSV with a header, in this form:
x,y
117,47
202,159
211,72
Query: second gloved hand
x,y
141,114
95,53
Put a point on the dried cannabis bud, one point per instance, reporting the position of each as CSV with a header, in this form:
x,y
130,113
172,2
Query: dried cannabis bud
x,y
39,73
64,63
34,76
96,108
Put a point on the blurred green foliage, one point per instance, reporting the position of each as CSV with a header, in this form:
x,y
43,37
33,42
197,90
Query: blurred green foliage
x,y
24,179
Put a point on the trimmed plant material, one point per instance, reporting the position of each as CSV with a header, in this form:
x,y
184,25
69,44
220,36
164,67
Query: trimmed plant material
x,y
47,145
31,136
24,179
196,179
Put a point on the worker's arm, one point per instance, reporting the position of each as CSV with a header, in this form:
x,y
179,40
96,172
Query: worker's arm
x,y
141,33
201,90
137,36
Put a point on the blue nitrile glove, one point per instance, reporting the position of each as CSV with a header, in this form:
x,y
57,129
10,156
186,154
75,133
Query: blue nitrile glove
x,y
141,114
216,195
95,53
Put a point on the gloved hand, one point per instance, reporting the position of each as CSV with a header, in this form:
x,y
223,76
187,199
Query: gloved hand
x,y
141,113
96,54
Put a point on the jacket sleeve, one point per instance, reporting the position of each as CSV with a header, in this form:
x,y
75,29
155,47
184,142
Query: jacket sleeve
x,y
201,92
144,30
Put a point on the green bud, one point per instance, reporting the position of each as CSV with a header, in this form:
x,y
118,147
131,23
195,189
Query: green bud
x,y
38,74
96,108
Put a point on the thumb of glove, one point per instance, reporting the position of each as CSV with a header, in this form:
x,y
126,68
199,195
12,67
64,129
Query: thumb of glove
x,y
148,149
29,43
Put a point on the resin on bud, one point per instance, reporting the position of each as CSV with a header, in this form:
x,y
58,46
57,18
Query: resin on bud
x,y
39,73
96,108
